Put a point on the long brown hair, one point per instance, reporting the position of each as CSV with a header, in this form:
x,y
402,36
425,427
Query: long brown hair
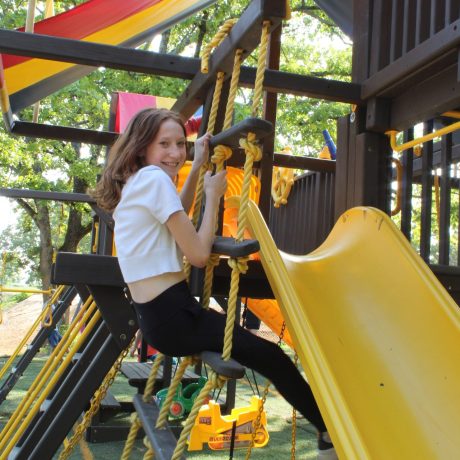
x,y
127,154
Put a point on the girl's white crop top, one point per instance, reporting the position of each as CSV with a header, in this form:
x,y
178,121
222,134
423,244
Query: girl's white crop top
x,y
145,246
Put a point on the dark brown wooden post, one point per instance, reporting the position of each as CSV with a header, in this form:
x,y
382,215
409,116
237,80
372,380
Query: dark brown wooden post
x,y
445,199
363,169
269,113
406,204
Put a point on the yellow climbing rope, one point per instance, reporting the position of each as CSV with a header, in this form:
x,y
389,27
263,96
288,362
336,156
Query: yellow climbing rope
x,y
239,265
282,182
135,420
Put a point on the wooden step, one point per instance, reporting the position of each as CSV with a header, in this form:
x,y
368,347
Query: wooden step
x,y
162,440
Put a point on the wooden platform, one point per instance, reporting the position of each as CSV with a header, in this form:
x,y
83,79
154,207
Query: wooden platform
x,y
138,373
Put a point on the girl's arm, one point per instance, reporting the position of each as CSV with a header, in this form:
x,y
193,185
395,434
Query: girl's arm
x,y
196,246
200,158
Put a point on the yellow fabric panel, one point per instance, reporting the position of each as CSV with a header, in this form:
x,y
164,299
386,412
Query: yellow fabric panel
x,y
165,102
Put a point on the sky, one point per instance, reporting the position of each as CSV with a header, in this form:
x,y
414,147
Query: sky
x,y
6,212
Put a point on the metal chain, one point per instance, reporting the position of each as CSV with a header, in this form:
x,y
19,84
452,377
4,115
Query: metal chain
x,y
95,404
294,419
264,398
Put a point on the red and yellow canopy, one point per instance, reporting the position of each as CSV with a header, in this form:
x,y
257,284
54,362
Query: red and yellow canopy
x,y
110,22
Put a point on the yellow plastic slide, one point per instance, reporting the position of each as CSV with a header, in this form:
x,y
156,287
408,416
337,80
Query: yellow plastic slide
x,y
377,335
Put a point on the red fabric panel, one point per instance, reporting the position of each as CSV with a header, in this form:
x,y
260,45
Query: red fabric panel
x,y
128,105
192,125
84,20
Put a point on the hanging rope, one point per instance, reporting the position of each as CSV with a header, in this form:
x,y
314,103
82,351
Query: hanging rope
x,y
221,154
163,416
216,40
221,34
135,420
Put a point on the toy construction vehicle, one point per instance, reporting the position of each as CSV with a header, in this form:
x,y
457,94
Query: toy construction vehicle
x,y
215,429
183,399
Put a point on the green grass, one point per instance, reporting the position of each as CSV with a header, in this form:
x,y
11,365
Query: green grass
x,y
278,414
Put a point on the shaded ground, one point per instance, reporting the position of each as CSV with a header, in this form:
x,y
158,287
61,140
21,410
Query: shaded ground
x,y
17,321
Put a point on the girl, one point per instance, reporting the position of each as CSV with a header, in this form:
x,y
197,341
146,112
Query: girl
x,y
153,232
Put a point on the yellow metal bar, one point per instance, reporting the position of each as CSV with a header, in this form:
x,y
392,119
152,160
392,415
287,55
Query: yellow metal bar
x,y
452,114
30,332
49,366
420,140
96,237
62,345
399,181
27,290
33,412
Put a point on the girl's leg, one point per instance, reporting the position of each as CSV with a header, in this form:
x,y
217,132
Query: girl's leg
x,y
205,331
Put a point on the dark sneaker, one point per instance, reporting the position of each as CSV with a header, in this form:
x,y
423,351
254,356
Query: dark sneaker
x,y
326,449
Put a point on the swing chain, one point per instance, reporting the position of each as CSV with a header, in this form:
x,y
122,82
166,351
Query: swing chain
x,y
95,404
256,424
294,419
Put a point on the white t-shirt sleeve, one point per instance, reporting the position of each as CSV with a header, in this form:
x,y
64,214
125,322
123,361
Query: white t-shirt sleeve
x,y
158,193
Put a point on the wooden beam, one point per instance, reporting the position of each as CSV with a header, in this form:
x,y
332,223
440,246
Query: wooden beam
x,y
63,133
89,269
96,55
306,163
244,35
276,81
40,195
426,100
167,65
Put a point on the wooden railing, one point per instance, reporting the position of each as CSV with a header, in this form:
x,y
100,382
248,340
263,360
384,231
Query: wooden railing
x,y
304,223
408,38
430,197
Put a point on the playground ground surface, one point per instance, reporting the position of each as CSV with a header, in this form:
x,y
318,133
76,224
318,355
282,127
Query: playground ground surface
x,y
278,411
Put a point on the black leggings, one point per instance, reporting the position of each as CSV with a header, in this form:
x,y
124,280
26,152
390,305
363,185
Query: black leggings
x,y
176,324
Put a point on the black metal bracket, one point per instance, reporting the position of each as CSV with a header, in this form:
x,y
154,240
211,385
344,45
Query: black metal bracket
x,y
231,137
230,247
230,369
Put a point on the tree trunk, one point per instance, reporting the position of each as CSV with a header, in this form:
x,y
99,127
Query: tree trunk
x,y
42,220
164,41
75,228
201,33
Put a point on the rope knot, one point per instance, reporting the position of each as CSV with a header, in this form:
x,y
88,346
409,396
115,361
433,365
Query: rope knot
x,y
240,264
221,153
251,149
214,260
217,380
135,420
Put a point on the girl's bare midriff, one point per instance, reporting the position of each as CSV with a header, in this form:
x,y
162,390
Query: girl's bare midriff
x,y
147,289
